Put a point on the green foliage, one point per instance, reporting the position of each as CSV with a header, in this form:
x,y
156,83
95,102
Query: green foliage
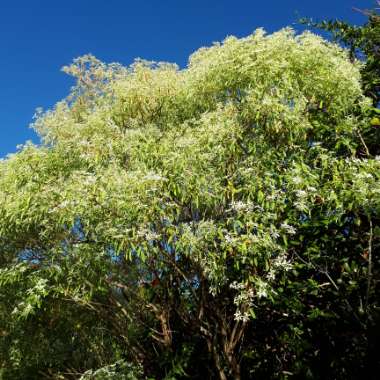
x,y
219,221
363,43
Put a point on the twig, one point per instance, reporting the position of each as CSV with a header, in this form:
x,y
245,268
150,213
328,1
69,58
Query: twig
x,y
369,275
363,142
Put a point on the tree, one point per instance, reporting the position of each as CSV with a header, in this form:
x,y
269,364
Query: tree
x,y
210,222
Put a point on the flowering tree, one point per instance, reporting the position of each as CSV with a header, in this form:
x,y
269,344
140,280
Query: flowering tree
x,y
219,221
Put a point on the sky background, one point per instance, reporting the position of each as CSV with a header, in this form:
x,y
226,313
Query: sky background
x,y
38,37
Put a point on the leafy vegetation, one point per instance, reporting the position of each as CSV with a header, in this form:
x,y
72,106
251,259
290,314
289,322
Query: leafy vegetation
x,y
220,221
363,43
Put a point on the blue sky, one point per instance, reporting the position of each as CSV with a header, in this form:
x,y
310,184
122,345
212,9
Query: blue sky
x,y
38,37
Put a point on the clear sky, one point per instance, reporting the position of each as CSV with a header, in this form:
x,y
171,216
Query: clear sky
x,y
38,37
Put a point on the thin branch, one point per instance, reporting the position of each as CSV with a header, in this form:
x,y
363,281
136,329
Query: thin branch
x,y
369,275
180,272
364,144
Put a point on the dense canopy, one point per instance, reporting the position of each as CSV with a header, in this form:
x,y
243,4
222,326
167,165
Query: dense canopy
x,y
219,221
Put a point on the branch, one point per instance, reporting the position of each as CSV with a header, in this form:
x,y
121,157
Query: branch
x,y
180,272
236,334
369,275
363,142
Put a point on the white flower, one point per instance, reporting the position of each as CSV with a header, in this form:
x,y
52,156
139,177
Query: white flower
x,y
262,293
301,193
364,176
262,290
237,285
280,262
229,239
213,290
239,316
288,228
271,276
240,206
273,233
148,234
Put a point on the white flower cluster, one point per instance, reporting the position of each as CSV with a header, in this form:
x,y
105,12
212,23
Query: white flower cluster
x,y
40,287
148,234
239,316
297,180
275,193
230,240
274,233
237,285
271,275
281,263
63,205
364,176
213,290
244,300
300,204
288,228
301,193
246,295
240,206
355,160
262,289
